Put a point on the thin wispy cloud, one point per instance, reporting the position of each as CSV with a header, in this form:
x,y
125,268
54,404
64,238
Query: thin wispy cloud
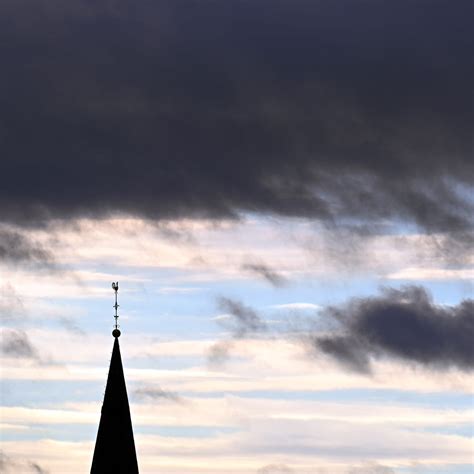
x,y
371,469
275,469
402,323
264,271
16,343
244,320
17,248
12,307
10,465
157,394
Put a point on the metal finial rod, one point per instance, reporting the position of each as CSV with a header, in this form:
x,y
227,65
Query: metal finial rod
x,y
115,287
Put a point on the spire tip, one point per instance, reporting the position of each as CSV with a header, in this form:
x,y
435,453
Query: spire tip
x,y
116,331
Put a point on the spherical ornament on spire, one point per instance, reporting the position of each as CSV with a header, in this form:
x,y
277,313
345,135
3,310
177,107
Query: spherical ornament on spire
x,y
116,333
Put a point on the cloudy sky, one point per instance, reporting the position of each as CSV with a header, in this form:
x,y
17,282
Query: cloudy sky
x,y
282,189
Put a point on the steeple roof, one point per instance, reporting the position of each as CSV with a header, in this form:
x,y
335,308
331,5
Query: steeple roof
x,y
115,447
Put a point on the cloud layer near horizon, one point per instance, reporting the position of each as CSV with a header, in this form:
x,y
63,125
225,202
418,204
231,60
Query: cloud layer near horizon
x,y
340,111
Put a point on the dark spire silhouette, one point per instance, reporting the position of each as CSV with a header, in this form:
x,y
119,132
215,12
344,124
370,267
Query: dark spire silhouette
x,y
115,447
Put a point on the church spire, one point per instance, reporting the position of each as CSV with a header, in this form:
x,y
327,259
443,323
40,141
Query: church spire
x,y
115,447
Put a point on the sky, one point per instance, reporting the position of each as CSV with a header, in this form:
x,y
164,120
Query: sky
x,y
282,189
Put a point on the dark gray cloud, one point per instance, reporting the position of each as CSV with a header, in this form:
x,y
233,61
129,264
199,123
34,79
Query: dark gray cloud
x,y
347,350
340,111
399,323
403,323
16,247
264,271
16,343
157,393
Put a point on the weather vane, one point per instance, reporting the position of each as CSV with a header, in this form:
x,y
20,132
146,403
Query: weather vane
x,y
116,331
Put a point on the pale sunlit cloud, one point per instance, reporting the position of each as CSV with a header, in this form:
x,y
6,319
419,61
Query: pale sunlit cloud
x,y
255,364
206,250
